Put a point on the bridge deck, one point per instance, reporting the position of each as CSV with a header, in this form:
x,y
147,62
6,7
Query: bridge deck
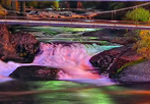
x,y
90,24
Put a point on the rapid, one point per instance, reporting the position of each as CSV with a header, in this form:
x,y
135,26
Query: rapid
x,y
72,60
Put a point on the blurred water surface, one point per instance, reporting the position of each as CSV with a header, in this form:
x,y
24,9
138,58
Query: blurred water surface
x,y
66,92
63,92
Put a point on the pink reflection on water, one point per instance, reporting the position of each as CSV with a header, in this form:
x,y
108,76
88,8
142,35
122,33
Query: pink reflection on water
x,y
72,59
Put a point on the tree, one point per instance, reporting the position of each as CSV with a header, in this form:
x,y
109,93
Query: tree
x,y
138,14
15,5
112,5
143,44
6,3
52,4
56,4
32,4
43,4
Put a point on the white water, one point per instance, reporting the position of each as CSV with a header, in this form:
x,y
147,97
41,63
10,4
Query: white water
x,y
73,60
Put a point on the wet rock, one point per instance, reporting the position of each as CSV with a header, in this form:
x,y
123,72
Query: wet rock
x,y
26,46
18,47
110,61
6,48
135,73
35,73
114,36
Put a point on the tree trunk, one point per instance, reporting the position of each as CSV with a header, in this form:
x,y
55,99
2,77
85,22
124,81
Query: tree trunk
x,y
23,7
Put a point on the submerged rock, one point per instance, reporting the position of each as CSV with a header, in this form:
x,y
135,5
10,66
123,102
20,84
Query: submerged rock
x,y
35,73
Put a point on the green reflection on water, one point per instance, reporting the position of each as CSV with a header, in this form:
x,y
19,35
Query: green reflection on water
x,y
66,29
54,85
62,92
70,93
51,34
95,96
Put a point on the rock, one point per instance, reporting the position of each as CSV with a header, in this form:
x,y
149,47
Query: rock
x,y
114,36
18,47
6,48
135,73
35,73
110,61
26,46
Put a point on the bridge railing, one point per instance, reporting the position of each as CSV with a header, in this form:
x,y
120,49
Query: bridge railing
x,y
77,20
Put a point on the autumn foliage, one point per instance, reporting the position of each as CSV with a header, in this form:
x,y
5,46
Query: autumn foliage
x,y
143,44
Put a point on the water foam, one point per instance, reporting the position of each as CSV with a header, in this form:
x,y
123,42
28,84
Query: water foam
x,y
72,59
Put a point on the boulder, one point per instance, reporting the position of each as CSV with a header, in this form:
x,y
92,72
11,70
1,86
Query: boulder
x,y
25,45
111,60
18,47
35,73
6,48
135,73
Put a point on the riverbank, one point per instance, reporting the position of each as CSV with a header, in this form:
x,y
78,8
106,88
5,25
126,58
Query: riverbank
x,y
121,64
107,61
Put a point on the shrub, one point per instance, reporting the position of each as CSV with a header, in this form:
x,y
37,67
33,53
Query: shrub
x,y
143,44
138,14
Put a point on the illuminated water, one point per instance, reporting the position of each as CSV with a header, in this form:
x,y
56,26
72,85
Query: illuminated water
x,y
80,85
61,92
72,59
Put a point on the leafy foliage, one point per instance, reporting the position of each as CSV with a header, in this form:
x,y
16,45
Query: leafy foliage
x,y
143,44
43,4
138,14
32,4
6,2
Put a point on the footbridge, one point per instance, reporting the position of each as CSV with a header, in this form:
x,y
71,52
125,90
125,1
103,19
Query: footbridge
x,y
86,23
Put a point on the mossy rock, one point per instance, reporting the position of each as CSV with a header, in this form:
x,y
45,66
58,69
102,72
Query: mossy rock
x,y
135,72
130,64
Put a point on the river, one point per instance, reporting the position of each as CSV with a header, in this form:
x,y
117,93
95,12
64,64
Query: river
x,y
101,91
63,92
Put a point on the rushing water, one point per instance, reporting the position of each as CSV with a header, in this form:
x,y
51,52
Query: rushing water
x,y
72,59
76,84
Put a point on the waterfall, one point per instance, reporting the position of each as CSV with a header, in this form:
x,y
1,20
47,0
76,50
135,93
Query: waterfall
x,y
72,59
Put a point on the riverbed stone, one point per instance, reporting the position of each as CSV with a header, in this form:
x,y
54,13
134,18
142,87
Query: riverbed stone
x,y
35,73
